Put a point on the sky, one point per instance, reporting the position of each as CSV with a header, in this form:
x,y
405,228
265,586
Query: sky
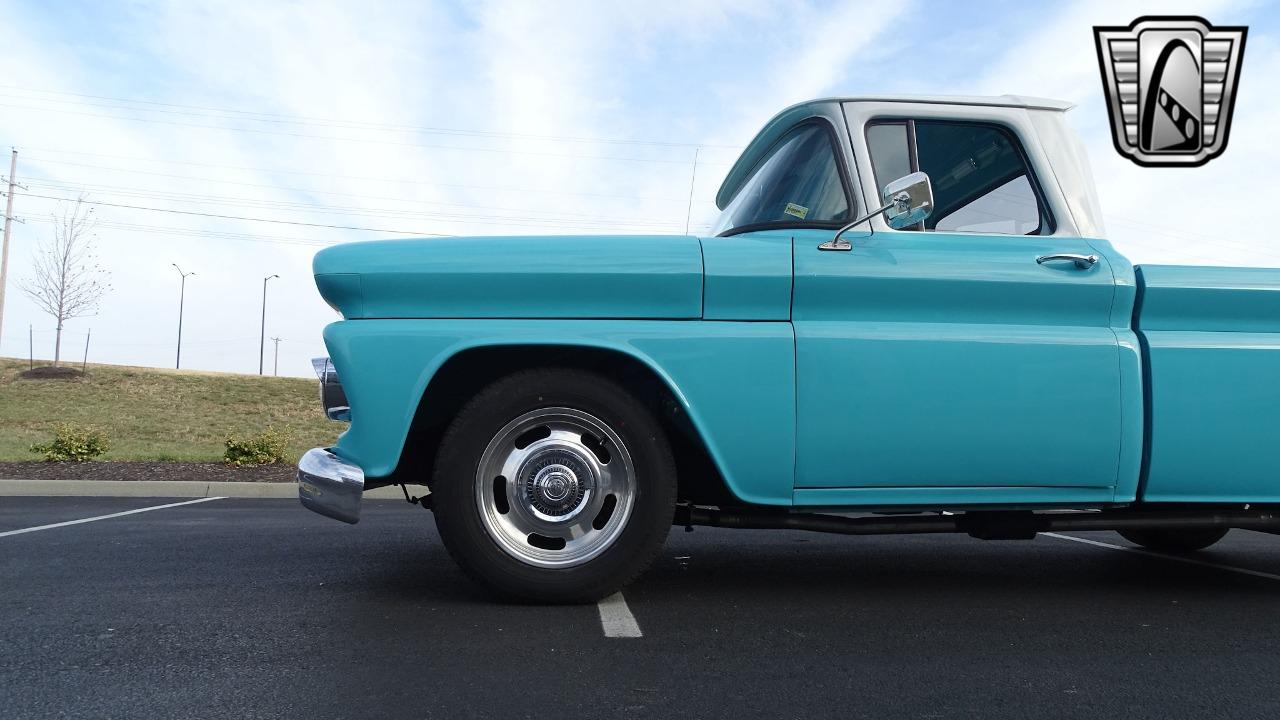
x,y
226,136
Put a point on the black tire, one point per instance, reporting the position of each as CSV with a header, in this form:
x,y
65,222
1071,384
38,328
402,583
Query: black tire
x,y
1173,539
455,487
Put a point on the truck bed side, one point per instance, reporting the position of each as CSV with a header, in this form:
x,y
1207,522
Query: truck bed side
x,y
1212,341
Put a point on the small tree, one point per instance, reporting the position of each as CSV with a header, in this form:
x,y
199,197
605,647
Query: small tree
x,y
68,282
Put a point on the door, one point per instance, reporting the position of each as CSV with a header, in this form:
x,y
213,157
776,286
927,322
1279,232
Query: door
x,y
959,362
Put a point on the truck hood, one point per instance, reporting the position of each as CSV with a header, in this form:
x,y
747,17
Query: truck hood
x,y
569,276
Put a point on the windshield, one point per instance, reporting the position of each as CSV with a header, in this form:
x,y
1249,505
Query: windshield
x,y
797,184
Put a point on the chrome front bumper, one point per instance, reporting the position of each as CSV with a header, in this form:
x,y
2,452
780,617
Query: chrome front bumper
x,y
329,485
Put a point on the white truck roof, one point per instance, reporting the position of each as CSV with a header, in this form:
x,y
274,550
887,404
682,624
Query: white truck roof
x,y
1016,101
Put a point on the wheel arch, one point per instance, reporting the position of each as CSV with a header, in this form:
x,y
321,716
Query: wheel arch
x,y
700,476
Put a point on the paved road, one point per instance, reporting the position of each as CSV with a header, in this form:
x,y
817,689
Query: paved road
x,y
256,608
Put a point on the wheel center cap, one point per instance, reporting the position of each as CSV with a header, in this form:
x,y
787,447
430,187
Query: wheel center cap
x,y
556,483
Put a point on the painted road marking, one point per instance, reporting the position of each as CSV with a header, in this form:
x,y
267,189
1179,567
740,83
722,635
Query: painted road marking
x,y
1189,561
7,533
616,618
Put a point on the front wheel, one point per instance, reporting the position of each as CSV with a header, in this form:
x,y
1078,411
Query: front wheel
x,y
554,485
1173,539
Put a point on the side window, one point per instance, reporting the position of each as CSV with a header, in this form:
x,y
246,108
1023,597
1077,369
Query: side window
x,y
890,152
981,180
798,183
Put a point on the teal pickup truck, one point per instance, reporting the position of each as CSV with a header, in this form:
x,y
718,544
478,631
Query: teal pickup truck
x,y
907,319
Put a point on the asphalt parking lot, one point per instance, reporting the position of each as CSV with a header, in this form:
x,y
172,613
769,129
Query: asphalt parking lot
x,y
257,608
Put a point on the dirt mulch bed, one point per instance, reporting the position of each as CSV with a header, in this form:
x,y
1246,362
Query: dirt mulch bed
x,y
48,372
203,472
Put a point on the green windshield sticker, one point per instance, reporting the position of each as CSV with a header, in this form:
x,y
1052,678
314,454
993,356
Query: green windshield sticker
x,y
799,211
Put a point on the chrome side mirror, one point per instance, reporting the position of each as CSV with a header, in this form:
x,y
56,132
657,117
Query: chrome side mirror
x,y
907,201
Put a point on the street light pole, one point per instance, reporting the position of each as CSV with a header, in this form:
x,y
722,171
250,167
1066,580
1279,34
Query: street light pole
x,y
262,338
182,298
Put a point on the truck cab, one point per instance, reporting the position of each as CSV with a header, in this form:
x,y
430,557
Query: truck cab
x,y
984,355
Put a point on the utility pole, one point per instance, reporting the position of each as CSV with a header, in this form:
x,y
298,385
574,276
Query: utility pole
x,y
182,297
262,338
84,366
8,223
275,366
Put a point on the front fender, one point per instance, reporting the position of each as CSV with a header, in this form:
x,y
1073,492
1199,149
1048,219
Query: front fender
x,y
735,380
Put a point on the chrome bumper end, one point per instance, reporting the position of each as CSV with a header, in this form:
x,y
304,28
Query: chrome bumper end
x,y
329,485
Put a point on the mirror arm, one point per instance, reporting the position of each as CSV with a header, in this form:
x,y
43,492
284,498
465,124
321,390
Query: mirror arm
x,y
836,243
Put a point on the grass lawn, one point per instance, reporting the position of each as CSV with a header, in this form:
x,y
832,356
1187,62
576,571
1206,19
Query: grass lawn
x,y
151,414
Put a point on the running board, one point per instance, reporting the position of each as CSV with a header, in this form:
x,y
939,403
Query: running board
x,y
982,524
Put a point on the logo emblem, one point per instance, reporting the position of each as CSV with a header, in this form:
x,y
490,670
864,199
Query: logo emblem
x,y
1171,86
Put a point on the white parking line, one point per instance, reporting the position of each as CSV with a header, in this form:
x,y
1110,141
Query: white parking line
x,y
7,533
1189,561
616,618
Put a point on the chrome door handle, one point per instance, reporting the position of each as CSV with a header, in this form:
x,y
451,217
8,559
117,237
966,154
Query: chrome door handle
x,y
1084,262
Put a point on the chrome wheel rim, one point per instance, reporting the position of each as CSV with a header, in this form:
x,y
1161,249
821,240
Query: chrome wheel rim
x,y
555,487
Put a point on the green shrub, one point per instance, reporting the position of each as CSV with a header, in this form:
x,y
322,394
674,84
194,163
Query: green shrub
x,y
74,443
268,446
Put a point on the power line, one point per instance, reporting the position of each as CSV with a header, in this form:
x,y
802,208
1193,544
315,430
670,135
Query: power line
x,y
73,335
362,178
451,218
208,234
238,217
293,206
367,140
169,231
1183,235
256,116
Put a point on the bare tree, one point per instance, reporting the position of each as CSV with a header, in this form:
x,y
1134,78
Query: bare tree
x,y
68,282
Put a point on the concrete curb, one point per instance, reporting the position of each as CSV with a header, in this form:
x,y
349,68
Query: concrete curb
x,y
166,488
